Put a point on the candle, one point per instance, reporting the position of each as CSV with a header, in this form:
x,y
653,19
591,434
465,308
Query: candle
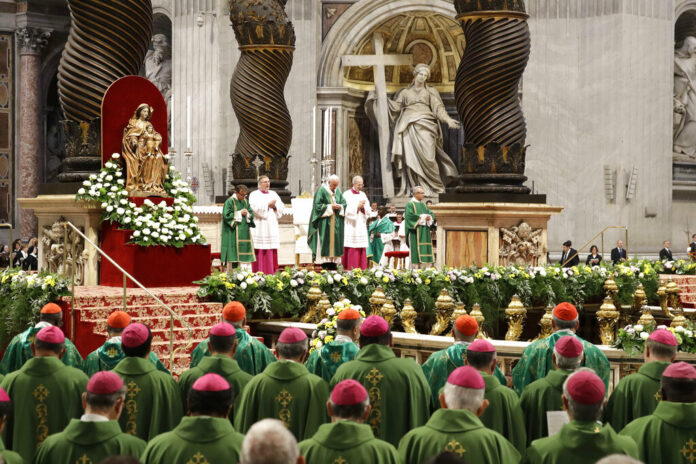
x,y
171,133
188,122
314,130
326,134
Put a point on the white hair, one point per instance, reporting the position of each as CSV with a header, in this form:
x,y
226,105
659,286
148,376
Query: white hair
x,y
416,188
333,177
565,363
457,397
262,178
269,442
562,324
357,178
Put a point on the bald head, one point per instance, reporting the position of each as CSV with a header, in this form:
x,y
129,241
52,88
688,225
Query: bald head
x,y
270,442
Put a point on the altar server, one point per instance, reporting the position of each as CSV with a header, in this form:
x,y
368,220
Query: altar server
x,y
355,239
237,220
286,390
46,394
583,439
399,394
638,394
268,209
418,218
381,234
326,360
110,353
206,434
96,435
19,349
347,438
10,457
153,403
456,426
251,355
667,435
325,232
537,358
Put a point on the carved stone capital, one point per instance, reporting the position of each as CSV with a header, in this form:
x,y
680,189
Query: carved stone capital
x,y
32,40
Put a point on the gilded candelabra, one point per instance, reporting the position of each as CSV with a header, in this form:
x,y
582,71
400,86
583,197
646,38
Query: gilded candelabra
x,y
678,319
611,289
480,319
313,296
646,317
607,316
515,313
443,312
664,300
408,317
388,311
640,299
546,323
377,299
323,306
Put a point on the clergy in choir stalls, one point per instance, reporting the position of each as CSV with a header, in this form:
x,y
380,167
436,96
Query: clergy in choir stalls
x,y
355,239
96,435
504,413
667,435
153,403
325,231
268,209
6,407
205,434
418,218
456,426
251,355
399,394
237,247
381,233
286,390
223,345
347,438
45,392
537,358
638,394
110,353
326,360
19,349
584,439
544,395
269,442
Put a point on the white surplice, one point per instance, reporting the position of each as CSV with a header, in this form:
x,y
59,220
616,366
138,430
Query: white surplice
x,y
355,228
265,234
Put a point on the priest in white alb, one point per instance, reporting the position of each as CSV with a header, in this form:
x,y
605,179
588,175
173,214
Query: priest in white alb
x,y
268,208
355,239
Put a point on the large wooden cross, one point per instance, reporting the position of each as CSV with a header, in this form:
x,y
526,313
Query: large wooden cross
x,y
379,61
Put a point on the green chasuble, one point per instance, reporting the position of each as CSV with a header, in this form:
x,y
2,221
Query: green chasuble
x,y
209,440
251,355
441,364
19,351
217,364
285,390
85,442
46,394
347,442
537,360
153,401
375,247
635,396
326,232
418,238
579,442
10,457
325,361
109,354
666,436
399,394
458,431
504,413
237,246
539,397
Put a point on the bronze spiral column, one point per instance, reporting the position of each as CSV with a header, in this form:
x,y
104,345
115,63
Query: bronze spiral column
x,y
108,40
267,41
486,90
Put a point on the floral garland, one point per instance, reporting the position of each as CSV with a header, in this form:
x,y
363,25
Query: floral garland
x,y
632,338
326,329
152,223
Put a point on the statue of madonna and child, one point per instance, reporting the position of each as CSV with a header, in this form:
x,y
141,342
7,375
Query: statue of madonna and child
x,y
146,165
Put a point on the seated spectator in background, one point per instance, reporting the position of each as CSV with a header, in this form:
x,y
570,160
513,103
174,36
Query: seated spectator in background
x,y
618,254
31,261
594,258
569,257
17,253
5,256
666,253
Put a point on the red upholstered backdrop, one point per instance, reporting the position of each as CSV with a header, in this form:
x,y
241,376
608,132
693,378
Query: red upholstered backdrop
x,y
119,104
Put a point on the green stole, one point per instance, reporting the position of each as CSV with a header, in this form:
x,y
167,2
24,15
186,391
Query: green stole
x,y
237,245
328,231
19,351
418,238
504,413
108,355
539,397
251,355
285,390
375,248
347,442
325,361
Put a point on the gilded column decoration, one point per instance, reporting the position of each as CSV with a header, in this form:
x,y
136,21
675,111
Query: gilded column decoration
x,y
607,316
515,313
443,312
408,317
377,299
64,251
520,245
388,311
266,40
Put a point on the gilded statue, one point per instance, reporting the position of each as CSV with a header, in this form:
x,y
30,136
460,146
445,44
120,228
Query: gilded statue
x,y
146,164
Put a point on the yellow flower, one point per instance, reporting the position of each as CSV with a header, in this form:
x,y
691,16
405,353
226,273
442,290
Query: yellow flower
x,y
385,279
5,277
223,277
345,281
427,281
50,281
328,338
229,285
280,285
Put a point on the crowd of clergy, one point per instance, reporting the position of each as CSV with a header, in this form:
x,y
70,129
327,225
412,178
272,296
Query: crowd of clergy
x,y
350,401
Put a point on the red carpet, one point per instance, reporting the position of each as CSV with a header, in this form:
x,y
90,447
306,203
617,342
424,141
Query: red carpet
x,y
687,288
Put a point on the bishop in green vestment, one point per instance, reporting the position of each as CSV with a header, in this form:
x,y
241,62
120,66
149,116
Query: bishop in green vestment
x,y
668,435
286,390
347,439
205,435
380,230
96,435
537,358
46,394
153,401
326,360
325,231
638,394
399,394
10,457
237,220
418,219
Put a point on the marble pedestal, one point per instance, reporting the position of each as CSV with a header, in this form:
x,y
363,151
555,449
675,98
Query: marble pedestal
x,y
470,233
50,210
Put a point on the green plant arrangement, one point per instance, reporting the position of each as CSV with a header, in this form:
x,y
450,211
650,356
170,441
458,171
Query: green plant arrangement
x,y
326,329
632,338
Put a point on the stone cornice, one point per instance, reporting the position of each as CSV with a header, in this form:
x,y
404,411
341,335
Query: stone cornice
x,y
32,40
